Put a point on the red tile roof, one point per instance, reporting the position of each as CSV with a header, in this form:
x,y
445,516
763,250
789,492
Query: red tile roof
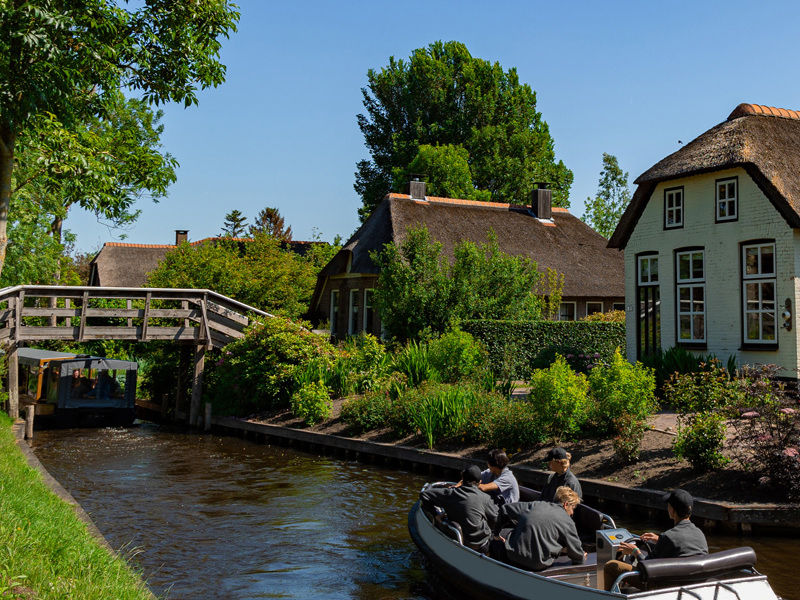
x,y
759,109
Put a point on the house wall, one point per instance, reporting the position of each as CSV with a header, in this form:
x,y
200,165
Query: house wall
x,y
581,304
344,284
757,219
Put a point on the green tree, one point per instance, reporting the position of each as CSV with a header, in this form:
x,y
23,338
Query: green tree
x,y
442,95
603,212
235,224
270,221
418,290
447,173
257,272
71,58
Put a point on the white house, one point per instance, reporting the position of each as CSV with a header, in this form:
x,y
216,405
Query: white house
x,y
712,244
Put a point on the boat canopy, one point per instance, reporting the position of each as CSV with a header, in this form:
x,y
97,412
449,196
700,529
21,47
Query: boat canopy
x,y
37,357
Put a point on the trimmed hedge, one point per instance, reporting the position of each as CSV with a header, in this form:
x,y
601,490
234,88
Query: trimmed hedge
x,y
518,347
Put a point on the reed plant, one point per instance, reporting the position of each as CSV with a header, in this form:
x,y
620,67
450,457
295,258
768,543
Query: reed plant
x,y
412,360
46,552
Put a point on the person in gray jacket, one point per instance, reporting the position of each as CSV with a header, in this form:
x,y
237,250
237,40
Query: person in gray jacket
x,y
539,531
498,481
465,504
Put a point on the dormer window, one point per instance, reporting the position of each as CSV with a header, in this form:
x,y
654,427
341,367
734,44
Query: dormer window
x,y
673,208
727,191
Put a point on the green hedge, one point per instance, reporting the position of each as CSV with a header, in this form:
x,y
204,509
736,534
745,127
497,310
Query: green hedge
x,y
518,347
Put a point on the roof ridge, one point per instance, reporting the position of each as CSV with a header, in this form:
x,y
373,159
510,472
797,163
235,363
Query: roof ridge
x,y
462,202
762,110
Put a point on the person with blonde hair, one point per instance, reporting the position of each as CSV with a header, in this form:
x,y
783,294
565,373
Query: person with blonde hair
x,y
531,535
558,461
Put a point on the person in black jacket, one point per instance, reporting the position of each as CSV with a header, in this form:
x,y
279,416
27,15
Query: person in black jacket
x,y
468,506
684,539
558,461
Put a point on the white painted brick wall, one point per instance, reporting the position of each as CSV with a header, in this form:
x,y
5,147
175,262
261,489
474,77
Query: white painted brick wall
x,y
757,219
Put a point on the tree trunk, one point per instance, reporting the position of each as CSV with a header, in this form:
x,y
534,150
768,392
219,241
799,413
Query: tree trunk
x,y
8,139
55,230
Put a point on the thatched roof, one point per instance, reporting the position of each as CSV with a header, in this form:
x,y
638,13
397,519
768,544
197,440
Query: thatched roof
x,y
566,244
765,141
128,265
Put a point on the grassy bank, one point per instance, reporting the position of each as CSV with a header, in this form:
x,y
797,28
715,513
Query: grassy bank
x,y
46,552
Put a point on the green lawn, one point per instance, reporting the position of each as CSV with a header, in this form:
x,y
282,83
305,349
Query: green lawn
x,y
46,552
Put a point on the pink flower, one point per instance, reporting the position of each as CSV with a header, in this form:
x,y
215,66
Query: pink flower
x,y
580,355
788,411
791,452
750,415
597,355
570,356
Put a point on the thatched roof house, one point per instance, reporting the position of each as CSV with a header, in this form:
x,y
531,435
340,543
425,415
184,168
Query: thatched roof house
x,y
593,273
710,245
128,265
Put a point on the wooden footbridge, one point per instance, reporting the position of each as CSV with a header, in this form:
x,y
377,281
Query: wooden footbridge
x,y
194,318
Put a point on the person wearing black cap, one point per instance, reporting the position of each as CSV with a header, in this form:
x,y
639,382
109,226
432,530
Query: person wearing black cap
x,y
465,504
558,462
684,539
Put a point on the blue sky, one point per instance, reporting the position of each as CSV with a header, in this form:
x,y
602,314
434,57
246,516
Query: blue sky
x,y
627,78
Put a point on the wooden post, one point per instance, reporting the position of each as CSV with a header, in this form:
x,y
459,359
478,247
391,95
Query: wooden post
x,y
197,383
30,411
182,364
13,381
207,420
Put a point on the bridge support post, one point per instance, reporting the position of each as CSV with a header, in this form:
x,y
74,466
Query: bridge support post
x,y
197,384
13,381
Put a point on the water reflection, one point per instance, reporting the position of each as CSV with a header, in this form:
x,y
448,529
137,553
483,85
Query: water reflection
x,y
227,518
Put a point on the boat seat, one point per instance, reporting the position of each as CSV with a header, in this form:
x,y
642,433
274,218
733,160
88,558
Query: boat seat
x,y
691,569
588,521
563,566
452,530
527,494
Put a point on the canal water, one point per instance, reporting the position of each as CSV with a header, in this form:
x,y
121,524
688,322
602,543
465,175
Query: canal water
x,y
221,517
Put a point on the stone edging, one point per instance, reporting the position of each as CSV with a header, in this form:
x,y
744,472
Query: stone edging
x,y
729,517
18,428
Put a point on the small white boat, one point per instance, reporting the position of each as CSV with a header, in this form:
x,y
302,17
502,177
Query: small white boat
x,y
729,574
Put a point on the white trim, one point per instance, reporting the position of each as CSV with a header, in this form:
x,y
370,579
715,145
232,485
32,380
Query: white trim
x,y
352,312
367,308
673,207
722,190
756,281
333,317
651,275
694,287
574,311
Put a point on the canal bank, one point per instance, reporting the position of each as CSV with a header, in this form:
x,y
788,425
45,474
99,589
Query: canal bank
x,y
712,515
51,548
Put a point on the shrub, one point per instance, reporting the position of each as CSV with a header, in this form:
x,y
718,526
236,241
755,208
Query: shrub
x,y
482,417
257,372
700,439
412,361
362,363
766,424
560,399
368,412
628,434
618,389
710,388
679,360
534,344
443,411
312,403
515,425
457,356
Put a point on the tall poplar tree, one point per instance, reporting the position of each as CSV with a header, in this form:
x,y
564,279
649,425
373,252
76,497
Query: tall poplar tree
x,y
604,211
442,95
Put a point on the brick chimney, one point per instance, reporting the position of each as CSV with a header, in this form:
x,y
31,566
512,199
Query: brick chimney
x,y
541,200
181,235
416,187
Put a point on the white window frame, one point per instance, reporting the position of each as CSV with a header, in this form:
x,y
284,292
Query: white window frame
x,y
352,312
334,314
574,311
647,269
368,294
673,208
726,192
695,286
595,304
618,306
763,279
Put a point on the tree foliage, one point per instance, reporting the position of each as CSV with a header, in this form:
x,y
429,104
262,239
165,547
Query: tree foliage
x,y
235,224
446,170
418,290
256,272
443,96
270,222
71,58
604,211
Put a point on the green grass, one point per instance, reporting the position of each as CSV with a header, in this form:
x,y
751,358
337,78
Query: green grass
x,y
44,547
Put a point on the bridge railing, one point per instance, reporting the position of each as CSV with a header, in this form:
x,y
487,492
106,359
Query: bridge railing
x,y
81,313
